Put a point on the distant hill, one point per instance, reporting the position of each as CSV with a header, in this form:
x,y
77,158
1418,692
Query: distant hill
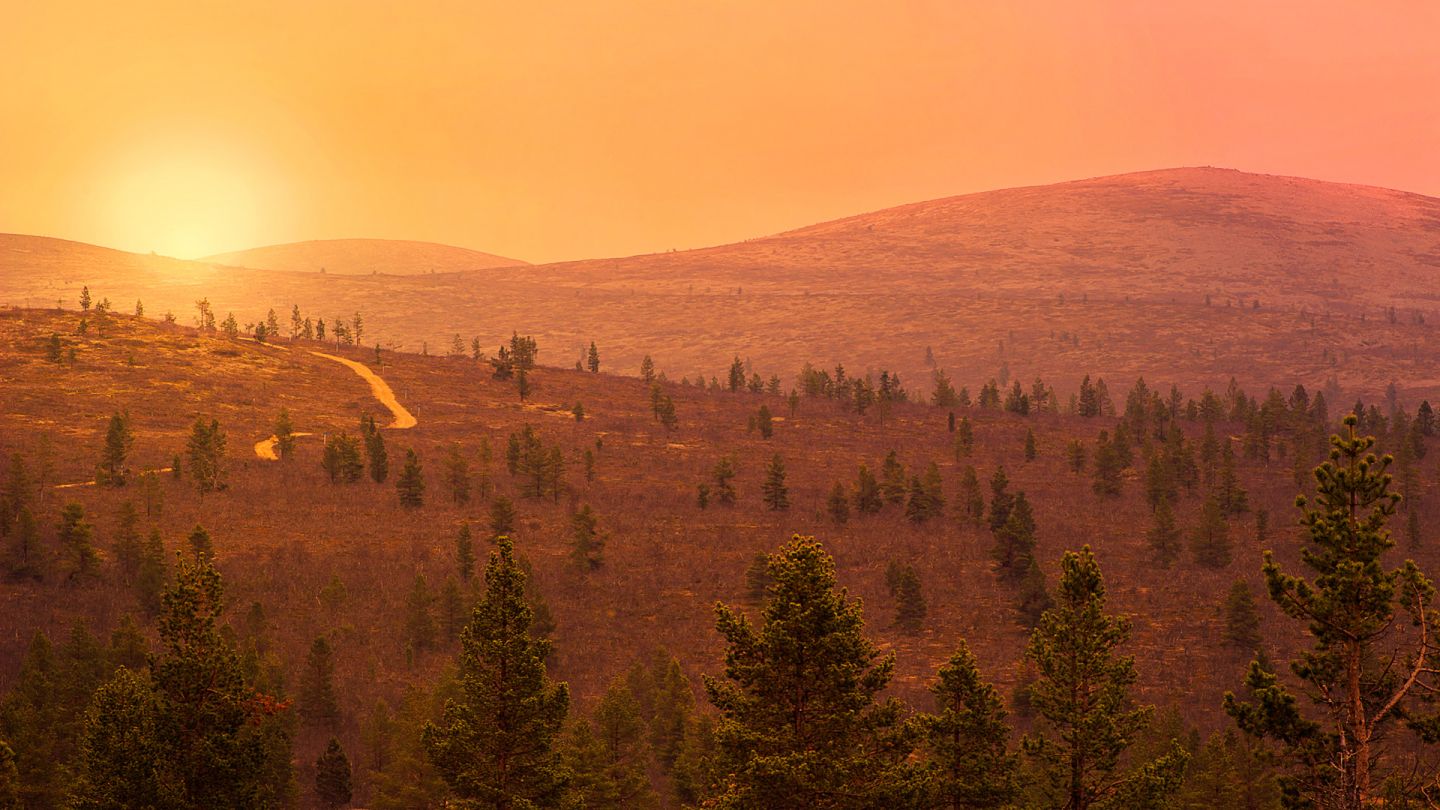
x,y
1189,276
363,257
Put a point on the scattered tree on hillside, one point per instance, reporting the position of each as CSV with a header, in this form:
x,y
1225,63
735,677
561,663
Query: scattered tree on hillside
x,y
775,495
723,474
592,359
411,483
1164,535
1210,543
800,720
332,776
494,745
457,474
206,449
284,435
341,459
1087,718
318,702
112,471
77,540
1242,620
838,505
1370,628
868,500
587,550
966,741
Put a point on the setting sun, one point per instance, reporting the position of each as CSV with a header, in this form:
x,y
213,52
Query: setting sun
x,y
184,201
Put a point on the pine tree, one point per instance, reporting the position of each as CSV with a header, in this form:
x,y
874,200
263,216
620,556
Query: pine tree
x,y
1001,500
1210,542
775,495
76,538
910,608
29,719
457,474
494,746
723,473
867,492
964,439
465,553
419,616
332,776
1164,535
1233,500
1015,542
592,359
764,422
589,544
757,577
206,448
1030,450
127,541
318,702
609,758
341,459
1032,596
1082,699
112,471
892,479
800,724
284,435
972,502
1242,619
150,578
502,518
967,760
411,483
838,505
201,545
1365,620
9,779
375,456
1108,466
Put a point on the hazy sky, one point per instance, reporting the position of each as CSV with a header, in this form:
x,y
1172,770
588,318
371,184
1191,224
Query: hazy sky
x,y
577,129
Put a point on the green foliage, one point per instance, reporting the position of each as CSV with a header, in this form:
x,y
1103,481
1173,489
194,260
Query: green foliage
x,y
284,435
411,483
800,725
1242,619
420,616
1164,536
587,550
540,467
1015,541
494,746
1108,466
465,553
112,472
1086,717
893,485
775,495
838,505
592,359
76,539
968,763
341,459
910,608
318,702
608,758
1210,542
723,474
926,496
1001,499
332,776
502,518
150,577
1366,666
206,451
868,500
764,422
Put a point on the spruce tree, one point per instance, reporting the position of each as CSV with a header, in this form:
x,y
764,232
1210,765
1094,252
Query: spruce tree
x,y
867,492
1015,542
465,553
411,483
723,474
1030,450
588,548
502,518
457,474
910,608
892,479
968,763
318,702
972,503
592,359
30,717
1233,500
1210,542
127,543
1164,535
77,539
800,724
206,448
1242,620
150,578
1001,499
609,757
332,776
775,495
375,456
838,505
284,435
494,745
764,422
1087,718
112,472
1367,665
420,616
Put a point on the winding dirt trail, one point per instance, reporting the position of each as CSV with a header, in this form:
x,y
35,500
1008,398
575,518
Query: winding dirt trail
x,y
403,419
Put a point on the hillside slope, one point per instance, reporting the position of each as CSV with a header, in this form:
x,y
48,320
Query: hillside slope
x,y
363,257
1194,275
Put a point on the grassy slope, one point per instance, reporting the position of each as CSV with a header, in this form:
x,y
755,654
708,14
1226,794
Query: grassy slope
x,y
1107,276
281,531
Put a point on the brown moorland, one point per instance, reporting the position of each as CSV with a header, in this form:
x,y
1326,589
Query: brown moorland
x,y
363,257
282,531
1187,275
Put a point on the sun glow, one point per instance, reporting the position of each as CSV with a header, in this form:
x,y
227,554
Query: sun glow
x,y
184,201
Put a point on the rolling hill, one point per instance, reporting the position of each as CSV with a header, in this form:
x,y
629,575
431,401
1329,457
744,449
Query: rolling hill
x,y
1191,275
363,257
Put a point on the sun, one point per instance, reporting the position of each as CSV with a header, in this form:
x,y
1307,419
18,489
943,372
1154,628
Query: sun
x,y
184,200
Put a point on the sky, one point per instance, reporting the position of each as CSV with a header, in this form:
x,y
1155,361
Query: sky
x,y
564,130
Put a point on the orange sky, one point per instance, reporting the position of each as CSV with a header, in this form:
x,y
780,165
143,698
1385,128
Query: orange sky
x,y
554,130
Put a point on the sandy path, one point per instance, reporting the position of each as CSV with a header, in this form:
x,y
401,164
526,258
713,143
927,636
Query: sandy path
x,y
404,420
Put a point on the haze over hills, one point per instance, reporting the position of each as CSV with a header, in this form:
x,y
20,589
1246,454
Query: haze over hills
x,y
363,257
1185,275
